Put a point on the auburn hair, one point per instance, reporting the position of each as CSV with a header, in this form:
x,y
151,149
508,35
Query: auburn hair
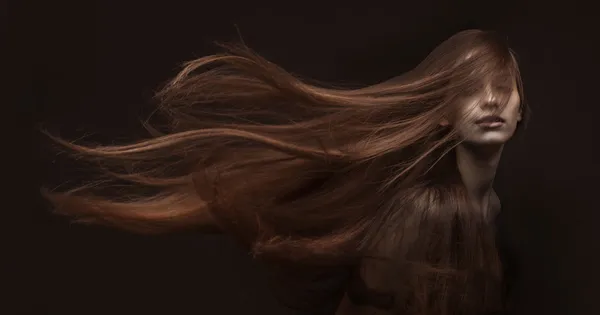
x,y
314,174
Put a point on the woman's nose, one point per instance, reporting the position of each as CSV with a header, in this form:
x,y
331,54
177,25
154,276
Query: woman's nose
x,y
490,99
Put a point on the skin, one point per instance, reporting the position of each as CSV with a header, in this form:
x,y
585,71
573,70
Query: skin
x,y
479,154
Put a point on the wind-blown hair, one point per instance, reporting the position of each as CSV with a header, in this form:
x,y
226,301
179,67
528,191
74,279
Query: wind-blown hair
x,y
313,174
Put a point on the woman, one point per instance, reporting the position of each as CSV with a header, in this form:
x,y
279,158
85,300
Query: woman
x,y
393,181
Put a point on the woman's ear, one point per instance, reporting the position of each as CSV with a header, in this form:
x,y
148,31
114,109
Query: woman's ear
x,y
520,116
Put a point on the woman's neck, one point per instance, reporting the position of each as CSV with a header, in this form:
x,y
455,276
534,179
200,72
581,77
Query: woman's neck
x,y
477,165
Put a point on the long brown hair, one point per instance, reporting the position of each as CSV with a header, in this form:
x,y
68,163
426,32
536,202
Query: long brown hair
x,y
313,174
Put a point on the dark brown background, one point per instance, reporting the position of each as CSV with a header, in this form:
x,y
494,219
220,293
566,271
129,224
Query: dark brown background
x,y
91,66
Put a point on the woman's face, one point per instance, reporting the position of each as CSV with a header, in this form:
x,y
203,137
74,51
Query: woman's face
x,y
481,117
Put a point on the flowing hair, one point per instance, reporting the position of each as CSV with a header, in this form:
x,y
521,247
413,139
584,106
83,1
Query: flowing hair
x,y
313,174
